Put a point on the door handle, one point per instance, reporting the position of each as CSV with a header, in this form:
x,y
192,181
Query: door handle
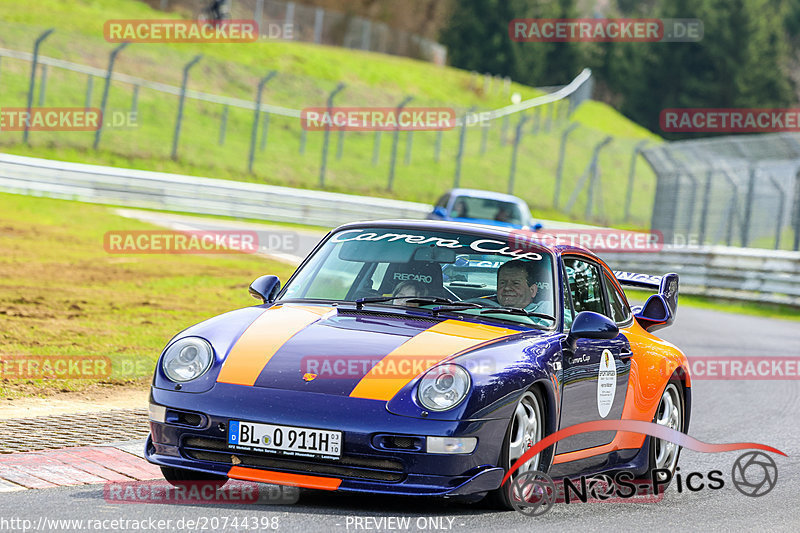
x,y
625,356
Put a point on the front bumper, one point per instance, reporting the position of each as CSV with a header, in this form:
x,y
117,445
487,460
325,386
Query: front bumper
x,y
365,465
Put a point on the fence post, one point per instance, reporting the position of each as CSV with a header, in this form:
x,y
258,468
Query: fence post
x,y
254,132
111,58
366,30
264,131
409,140
704,212
517,137
461,139
376,148
593,175
631,176
326,137
223,126
302,147
781,206
437,147
560,168
536,119
135,99
395,141
748,207
484,135
339,144
89,86
34,62
258,15
796,221
181,100
318,14
43,85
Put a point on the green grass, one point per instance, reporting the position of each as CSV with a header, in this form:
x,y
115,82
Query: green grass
x,y
767,310
306,75
62,294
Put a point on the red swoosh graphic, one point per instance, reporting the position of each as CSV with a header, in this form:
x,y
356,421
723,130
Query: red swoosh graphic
x,y
636,426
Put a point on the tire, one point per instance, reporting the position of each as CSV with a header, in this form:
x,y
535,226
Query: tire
x,y
179,476
517,440
670,413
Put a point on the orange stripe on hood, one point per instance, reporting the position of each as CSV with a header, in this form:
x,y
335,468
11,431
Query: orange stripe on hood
x,y
263,338
433,345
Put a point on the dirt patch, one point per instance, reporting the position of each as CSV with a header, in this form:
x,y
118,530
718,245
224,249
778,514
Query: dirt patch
x,y
99,397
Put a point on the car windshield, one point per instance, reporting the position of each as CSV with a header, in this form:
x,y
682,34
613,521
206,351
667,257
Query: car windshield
x,y
487,209
434,270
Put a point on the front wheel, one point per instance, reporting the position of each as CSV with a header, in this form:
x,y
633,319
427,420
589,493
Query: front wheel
x,y
670,413
526,428
179,476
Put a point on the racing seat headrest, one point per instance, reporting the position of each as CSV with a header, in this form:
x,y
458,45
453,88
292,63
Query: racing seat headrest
x,y
427,273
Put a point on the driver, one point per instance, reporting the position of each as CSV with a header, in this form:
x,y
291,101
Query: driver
x,y
517,286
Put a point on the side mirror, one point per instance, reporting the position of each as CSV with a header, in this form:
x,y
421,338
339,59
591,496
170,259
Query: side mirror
x,y
537,227
265,288
440,212
591,325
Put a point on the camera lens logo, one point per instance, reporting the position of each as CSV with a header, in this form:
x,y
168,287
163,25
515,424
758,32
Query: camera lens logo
x,y
532,493
754,474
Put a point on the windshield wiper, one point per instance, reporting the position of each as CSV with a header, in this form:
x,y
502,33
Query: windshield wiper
x,y
517,311
422,300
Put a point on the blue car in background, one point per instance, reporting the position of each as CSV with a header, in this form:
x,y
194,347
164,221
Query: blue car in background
x,y
484,207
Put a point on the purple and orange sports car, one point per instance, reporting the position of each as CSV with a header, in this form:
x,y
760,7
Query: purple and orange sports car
x,y
422,358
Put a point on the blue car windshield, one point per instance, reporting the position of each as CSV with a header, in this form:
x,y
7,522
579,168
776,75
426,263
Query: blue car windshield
x,y
404,264
487,209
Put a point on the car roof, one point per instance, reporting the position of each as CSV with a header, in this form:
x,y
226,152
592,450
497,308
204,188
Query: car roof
x,y
478,193
501,232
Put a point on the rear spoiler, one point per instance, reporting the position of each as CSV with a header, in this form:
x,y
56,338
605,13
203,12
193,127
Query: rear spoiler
x,y
660,309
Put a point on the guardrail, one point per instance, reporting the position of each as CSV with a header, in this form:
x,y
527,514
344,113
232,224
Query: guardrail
x,y
747,274
737,273
173,192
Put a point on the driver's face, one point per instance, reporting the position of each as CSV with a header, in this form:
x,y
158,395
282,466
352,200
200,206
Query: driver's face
x,y
513,289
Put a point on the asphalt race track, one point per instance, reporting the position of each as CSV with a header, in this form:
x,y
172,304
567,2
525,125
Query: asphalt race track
x,y
761,411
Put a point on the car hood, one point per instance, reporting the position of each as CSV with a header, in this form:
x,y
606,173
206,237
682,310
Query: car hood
x,y
348,352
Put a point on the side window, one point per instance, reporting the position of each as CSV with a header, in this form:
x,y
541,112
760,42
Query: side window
x,y
568,313
585,286
619,310
442,202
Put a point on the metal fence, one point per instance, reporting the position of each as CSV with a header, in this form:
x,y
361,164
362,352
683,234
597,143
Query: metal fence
x,y
735,273
738,190
298,22
493,149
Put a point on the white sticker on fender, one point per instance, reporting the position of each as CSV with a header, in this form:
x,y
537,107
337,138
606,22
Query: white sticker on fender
x,y
606,383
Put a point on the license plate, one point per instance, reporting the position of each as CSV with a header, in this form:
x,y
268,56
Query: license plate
x,y
287,440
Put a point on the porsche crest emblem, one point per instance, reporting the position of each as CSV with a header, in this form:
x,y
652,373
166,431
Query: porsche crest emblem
x,y
308,376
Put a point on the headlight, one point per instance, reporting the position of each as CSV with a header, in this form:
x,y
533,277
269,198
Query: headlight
x,y
443,387
187,359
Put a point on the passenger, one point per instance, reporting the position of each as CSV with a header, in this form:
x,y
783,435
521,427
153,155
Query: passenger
x,y
409,289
